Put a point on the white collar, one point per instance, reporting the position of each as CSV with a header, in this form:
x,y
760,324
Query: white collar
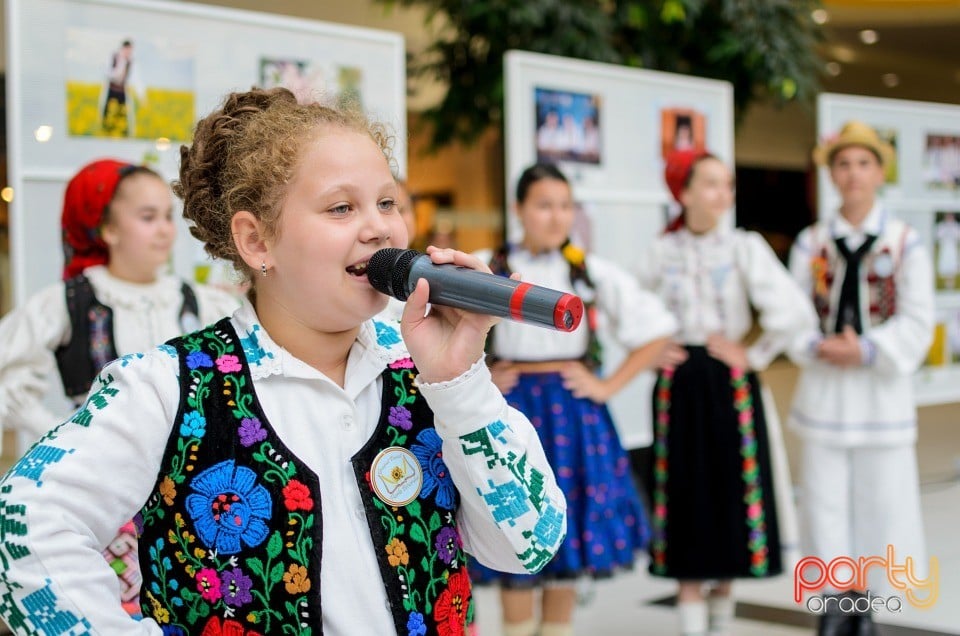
x,y
378,344
873,224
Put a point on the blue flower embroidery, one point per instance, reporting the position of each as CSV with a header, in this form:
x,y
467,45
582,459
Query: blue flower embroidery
x,y
415,625
435,474
228,507
193,425
387,336
197,359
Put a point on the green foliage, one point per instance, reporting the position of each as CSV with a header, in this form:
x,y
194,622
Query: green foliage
x,y
765,48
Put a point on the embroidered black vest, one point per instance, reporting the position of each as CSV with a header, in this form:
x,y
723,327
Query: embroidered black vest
x,y
582,285
91,344
230,539
879,268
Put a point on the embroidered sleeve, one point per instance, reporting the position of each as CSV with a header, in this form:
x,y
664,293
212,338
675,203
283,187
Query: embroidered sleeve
x,y
785,311
512,514
29,335
903,340
65,499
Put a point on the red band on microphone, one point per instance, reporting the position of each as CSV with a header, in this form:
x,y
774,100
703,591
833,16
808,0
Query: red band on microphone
x,y
516,300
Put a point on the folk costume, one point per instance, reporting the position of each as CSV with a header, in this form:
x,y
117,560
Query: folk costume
x,y
270,499
605,519
714,506
858,424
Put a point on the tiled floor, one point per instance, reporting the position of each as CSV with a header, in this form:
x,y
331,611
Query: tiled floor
x,y
636,603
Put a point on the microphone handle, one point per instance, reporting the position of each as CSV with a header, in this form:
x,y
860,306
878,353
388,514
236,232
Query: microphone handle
x,y
479,292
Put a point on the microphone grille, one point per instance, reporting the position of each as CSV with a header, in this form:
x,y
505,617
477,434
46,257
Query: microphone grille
x,y
387,271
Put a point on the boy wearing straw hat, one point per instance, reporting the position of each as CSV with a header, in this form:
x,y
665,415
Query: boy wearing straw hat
x,y
871,282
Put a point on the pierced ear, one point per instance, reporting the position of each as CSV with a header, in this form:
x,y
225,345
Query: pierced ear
x,y
248,237
107,235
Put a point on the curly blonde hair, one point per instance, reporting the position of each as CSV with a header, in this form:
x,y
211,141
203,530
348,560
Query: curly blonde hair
x,y
243,156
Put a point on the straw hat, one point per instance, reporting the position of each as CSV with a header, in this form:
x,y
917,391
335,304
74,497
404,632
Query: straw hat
x,y
854,133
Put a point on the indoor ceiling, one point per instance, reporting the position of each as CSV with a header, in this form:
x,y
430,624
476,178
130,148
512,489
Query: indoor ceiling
x,y
918,41
916,54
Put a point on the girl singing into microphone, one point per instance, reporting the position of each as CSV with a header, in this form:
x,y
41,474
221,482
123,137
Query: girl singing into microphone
x,y
553,377
299,467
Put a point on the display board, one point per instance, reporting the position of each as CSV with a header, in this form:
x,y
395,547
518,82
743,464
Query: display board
x,y
129,78
922,188
609,128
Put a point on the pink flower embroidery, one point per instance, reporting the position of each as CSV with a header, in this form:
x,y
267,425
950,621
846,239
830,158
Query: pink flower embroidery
x,y
208,584
228,364
402,363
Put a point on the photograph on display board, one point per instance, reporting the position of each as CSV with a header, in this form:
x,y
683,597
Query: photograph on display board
x,y
312,81
129,86
891,170
682,129
945,347
941,162
567,127
946,249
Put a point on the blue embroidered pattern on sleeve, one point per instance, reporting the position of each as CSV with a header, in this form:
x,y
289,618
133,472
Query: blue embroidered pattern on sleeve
x,y
39,614
510,500
36,460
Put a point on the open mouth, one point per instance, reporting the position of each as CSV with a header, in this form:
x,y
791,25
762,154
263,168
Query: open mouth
x,y
358,269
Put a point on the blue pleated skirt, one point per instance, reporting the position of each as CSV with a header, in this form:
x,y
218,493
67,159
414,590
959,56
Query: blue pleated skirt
x,y
606,526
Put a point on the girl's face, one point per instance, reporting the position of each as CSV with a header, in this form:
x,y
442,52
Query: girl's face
x,y
709,194
340,208
546,215
857,174
139,229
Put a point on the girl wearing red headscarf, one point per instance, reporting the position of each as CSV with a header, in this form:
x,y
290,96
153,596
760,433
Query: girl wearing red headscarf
x,y
714,516
118,231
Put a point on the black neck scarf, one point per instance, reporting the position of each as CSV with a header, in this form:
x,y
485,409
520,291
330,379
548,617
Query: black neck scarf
x,y
848,310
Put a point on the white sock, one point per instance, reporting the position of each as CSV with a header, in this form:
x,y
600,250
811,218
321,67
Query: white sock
x,y
526,628
721,610
693,618
556,629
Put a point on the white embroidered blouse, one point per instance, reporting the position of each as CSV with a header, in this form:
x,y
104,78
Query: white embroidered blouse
x,y
709,282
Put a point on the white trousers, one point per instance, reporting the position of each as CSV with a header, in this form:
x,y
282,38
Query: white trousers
x,y
857,501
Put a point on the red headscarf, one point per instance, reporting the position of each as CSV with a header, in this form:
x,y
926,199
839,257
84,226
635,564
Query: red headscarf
x,y
676,173
88,194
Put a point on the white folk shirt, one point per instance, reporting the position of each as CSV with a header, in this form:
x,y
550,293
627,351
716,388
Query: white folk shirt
x,y
710,281
144,316
630,315
872,404
111,467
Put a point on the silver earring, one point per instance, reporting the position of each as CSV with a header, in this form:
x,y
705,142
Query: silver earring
x,y
263,268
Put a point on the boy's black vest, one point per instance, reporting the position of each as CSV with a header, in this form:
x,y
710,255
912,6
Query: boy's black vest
x,y
91,344
230,539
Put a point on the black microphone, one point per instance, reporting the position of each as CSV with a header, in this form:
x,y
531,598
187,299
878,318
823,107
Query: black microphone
x,y
395,272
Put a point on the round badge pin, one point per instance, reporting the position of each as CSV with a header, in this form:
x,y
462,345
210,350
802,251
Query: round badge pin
x,y
396,476
883,265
